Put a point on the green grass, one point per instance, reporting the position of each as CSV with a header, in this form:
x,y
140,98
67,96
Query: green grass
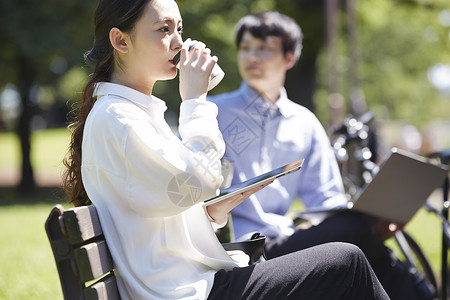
x,y
28,270
425,228
27,267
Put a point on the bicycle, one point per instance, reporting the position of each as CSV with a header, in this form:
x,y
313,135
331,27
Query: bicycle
x,y
443,158
412,251
354,145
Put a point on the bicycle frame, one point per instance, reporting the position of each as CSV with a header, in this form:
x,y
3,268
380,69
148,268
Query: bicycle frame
x,y
351,145
444,158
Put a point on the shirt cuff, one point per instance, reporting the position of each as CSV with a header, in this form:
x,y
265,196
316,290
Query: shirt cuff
x,y
213,223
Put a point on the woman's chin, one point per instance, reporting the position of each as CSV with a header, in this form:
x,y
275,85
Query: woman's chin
x,y
169,75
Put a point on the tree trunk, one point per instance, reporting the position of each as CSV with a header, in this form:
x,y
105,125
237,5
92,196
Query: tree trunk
x,y
27,183
301,81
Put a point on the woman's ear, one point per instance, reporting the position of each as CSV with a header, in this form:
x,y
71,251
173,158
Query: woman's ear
x,y
290,60
118,40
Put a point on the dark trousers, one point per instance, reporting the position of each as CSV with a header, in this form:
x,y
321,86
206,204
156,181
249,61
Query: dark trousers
x,y
329,271
395,276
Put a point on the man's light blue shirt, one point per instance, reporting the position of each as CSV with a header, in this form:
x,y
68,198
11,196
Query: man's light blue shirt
x,y
261,136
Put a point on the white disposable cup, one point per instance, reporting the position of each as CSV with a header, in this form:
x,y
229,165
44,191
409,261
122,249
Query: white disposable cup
x,y
217,73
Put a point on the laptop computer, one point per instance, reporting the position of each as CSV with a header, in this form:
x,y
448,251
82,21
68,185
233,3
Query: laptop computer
x,y
255,181
399,189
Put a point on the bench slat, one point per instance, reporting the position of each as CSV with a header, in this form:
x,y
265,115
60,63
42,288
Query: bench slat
x,y
93,260
103,289
82,224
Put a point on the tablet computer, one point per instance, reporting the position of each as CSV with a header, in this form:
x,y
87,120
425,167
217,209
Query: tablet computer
x,y
402,185
255,181
399,189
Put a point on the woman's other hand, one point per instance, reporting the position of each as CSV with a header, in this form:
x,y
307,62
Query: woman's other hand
x,y
218,211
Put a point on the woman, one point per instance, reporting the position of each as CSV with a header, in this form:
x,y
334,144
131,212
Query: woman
x,y
148,186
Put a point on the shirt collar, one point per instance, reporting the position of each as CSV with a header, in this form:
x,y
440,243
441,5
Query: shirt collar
x,y
141,99
282,104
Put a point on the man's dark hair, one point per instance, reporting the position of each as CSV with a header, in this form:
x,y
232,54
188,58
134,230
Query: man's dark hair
x,y
272,23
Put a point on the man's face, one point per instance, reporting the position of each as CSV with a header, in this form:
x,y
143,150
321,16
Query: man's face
x,y
262,63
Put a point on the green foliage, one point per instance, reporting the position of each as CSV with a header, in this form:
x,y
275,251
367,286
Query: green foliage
x,y
397,43
38,44
396,74
72,83
51,34
213,23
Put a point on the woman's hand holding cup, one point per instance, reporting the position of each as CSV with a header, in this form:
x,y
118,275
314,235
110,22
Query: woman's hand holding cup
x,y
199,71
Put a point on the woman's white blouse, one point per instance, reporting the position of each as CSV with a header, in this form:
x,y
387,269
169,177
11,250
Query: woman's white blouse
x,y
148,187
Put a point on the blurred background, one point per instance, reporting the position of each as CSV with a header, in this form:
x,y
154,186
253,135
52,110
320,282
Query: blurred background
x,y
391,57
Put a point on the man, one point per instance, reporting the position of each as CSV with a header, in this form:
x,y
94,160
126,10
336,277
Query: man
x,y
264,130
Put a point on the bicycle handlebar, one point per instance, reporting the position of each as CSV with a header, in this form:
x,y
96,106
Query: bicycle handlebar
x,y
444,156
352,122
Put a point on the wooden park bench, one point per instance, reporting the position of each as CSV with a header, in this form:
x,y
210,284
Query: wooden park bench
x,y
83,260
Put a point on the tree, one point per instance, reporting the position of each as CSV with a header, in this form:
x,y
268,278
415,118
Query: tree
x,y
301,81
37,44
397,43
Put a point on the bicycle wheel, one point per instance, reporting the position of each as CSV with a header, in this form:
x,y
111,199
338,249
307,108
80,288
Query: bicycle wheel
x,y
416,258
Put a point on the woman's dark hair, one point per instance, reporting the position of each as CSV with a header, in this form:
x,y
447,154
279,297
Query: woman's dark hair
x,y
272,23
124,15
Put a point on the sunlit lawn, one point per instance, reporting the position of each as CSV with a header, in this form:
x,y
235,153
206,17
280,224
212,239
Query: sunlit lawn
x,y
27,268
